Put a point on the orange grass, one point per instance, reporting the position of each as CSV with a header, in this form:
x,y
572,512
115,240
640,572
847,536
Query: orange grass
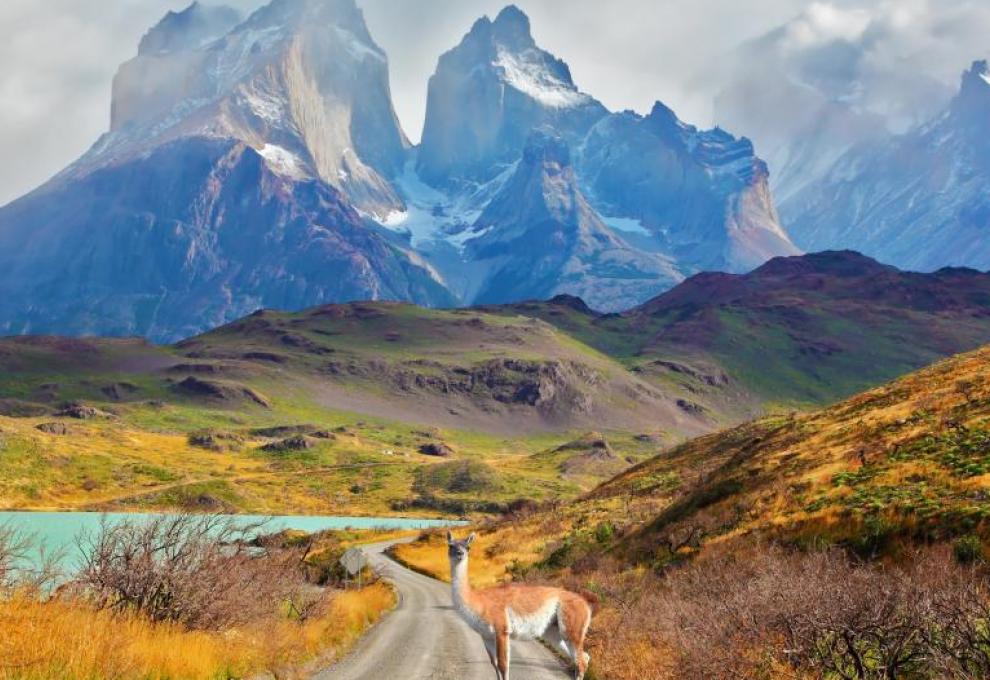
x,y
64,640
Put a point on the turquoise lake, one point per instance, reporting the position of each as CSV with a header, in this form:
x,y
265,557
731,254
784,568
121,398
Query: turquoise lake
x,y
57,531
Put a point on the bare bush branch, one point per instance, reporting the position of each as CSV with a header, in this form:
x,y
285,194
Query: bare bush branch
x,y
202,571
24,565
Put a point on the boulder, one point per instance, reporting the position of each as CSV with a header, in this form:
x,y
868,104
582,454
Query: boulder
x,y
53,428
296,443
436,449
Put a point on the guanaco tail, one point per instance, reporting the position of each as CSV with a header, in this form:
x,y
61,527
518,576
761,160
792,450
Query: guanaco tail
x,y
557,616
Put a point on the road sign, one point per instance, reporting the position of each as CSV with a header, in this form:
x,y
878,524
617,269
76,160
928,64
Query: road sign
x,y
354,561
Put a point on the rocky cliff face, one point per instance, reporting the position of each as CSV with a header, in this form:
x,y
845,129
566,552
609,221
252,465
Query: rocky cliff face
x,y
302,81
539,237
486,96
228,180
197,233
258,162
703,195
918,200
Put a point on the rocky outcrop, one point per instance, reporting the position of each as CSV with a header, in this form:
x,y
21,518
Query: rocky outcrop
x,y
222,392
196,234
550,386
290,444
539,237
703,195
438,449
81,412
57,429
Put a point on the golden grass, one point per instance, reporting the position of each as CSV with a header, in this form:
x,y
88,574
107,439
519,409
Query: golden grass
x,y
120,464
62,640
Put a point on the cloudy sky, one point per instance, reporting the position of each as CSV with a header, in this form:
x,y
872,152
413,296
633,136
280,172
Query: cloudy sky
x,y
59,56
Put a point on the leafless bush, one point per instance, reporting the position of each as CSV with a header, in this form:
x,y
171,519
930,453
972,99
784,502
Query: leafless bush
x,y
201,570
774,613
855,622
24,566
960,607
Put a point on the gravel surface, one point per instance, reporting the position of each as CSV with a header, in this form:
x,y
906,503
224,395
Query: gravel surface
x,y
425,639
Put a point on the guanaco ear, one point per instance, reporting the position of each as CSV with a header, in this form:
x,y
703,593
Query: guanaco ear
x,y
470,540
450,537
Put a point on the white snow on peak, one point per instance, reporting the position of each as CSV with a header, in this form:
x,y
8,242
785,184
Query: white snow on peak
x,y
986,78
528,75
283,162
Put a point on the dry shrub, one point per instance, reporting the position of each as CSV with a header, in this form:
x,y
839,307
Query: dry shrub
x,y
201,571
771,613
24,567
960,610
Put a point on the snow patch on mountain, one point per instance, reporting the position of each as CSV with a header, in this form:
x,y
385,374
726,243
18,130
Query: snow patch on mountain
x,y
238,52
268,107
527,73
283,162
430,214
626,224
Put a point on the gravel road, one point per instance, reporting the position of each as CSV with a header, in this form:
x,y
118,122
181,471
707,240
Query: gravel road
x,y
425,639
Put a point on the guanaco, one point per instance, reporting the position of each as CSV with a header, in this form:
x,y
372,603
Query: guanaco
x,y
557,616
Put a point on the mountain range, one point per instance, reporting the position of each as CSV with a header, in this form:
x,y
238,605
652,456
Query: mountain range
x,y
258,162
918,200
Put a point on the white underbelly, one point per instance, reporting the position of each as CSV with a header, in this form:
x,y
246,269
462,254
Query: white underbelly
x,y
532,625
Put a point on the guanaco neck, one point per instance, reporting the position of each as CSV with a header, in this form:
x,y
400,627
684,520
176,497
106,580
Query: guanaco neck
x,y
460,583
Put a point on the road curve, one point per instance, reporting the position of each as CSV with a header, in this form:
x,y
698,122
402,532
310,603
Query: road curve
x,y
425,639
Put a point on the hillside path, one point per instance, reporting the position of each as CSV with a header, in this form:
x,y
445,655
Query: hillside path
x,y
425,639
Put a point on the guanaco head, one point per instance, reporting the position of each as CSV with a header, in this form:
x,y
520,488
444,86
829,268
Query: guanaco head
x,y
458,550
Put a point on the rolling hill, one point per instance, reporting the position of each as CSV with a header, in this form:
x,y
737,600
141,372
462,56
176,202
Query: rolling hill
x,y
798,330
337,408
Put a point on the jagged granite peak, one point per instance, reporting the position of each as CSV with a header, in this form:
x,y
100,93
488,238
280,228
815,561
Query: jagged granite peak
x,y
511,28
703,194
918,200
232,179
539,237
190,28
302,81
699,199
972,105
488,93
